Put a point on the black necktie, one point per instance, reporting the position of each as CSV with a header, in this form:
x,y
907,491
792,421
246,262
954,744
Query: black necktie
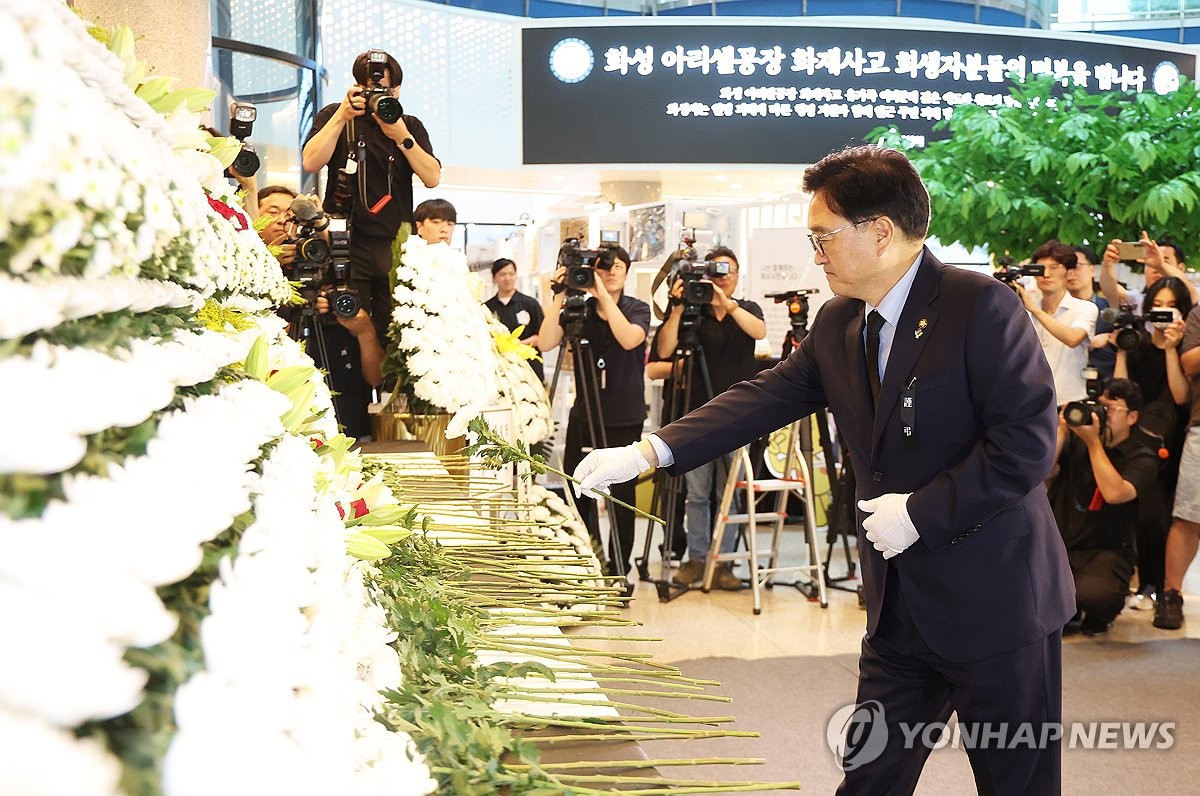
x,y
874,324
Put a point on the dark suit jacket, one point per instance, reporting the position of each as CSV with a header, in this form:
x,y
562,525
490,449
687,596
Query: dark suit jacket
x,y
989,573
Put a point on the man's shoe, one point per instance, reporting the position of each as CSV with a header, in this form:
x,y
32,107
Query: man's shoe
x,y
725,578
1168,614
690,572
1092,627
1144,600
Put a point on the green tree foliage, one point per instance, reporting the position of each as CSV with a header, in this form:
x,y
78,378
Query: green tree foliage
x,y
1072,165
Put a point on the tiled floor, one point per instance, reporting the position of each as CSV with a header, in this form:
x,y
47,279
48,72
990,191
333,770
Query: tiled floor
x,y
698,625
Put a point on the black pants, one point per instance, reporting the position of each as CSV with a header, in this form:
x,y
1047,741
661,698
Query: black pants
x,y
903,686
622,518
1101,582
370,271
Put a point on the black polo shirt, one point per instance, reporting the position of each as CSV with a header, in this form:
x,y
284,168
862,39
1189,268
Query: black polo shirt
x,y
622,384
1085,521
383,154
728,352
520,310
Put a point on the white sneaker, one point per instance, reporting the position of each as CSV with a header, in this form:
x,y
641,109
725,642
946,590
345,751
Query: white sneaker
x,y
1142,601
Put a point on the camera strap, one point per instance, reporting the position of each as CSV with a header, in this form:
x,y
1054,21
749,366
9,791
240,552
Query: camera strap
x,y
361,150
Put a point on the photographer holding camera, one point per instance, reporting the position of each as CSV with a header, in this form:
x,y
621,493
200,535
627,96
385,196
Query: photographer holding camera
x,y
1064,324
1158,260
725,330
373,150
1147,352
614,325
348,349
1103,469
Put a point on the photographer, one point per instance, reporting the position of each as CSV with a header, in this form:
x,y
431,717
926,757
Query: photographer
x,y
1081,283
1103,469
348,350
1158,260
725,330
1064,324
615,326
1151,360
371,162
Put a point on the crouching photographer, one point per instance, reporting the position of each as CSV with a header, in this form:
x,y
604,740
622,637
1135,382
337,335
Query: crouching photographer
x,y
716,332
331,323
589,312
1105,466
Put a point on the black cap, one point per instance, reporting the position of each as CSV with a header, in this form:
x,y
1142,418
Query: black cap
x,y
362,69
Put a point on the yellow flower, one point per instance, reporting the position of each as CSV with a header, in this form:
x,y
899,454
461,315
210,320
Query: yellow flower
x,y
510,343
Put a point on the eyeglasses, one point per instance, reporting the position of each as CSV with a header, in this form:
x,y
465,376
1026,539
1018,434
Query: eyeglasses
x,y
818,241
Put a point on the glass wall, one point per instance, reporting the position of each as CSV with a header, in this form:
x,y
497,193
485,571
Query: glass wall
x,y
264,52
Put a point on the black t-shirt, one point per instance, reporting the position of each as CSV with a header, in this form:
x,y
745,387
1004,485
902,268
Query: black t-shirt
x,y
1148,368
382,154
1085,521
520,310
728,352
620,372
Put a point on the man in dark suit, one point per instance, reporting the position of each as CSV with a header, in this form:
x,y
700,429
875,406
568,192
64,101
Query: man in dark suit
x,y
940,388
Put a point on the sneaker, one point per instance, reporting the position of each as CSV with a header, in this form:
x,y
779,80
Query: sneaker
x,y
725,579
1168,614
1144,600
690,572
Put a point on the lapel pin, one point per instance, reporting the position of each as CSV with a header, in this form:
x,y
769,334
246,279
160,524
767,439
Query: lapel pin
x,y
921,324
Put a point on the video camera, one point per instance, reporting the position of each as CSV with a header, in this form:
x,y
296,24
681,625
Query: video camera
x,y
241,125
379,97
697,289
1009,272
322,256
581,265
1130,328
1079,413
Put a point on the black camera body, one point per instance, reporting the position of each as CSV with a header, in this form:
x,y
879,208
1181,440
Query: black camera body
x,y
379,99
1079,413
581,265
321,263
1009,272
241,125
797,301
1130,327
696,276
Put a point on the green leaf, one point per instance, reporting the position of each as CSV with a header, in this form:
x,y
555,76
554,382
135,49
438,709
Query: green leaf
x,y
256,359
366,547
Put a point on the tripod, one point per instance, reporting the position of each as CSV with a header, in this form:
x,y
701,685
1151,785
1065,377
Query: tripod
x,y
840,513
590,375
687,360
306,328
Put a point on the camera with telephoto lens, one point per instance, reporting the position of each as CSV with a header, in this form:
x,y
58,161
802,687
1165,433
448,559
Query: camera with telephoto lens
x,y
696,276
1009,272
1129,328
241,125
379,98
1079,413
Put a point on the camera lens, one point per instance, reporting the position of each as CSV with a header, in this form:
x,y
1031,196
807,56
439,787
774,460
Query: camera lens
x,y
698,293
313,250
246,163
345,304
1129,338
386,108
1077,413
580,277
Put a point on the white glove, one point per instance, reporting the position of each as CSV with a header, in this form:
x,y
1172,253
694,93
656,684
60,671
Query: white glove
x,y
606,466
889,528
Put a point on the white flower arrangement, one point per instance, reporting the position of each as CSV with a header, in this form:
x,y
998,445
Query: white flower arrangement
x,y
441,350
521,387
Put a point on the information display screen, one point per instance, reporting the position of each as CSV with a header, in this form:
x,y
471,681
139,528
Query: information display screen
x,y
786,94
